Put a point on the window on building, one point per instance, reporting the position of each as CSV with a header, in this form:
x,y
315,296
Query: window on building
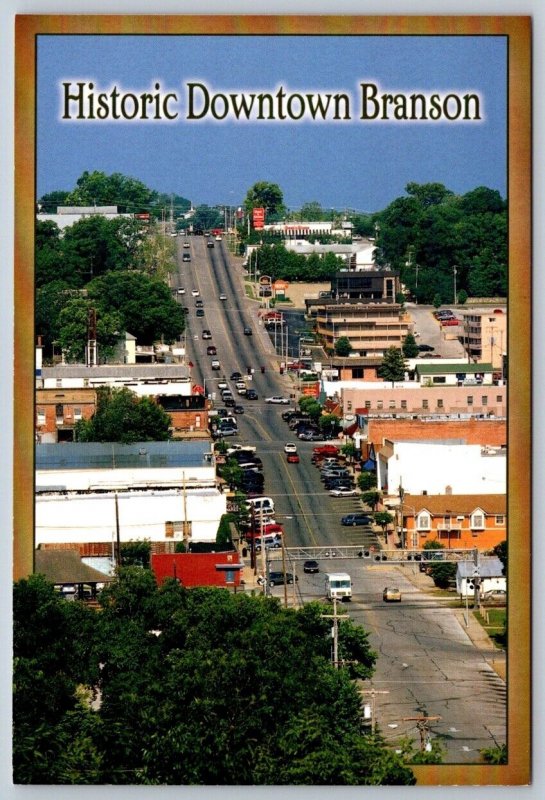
x,y
40,416
392,404
499,519
484,400
58,383
440,404
357,372
380,404
367,404
404,405
499,398
423,521
470,399
477,520
449,535
425,404
77,413
182,529
439,379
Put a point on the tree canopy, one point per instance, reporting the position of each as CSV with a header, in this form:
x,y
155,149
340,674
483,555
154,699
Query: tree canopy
x,y
265,195
196,686
393,365
122,416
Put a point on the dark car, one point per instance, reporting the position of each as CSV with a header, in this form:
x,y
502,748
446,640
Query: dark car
x,y
311,566
279,578
426,348
236,376
357,519
211,350
251,394
238,409
247,331
210,243
199,304
229,402
200,312
186,257
206,334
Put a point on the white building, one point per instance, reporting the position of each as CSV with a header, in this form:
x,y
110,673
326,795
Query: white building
x,y
441,467
159,491
144,379
489,574
67,216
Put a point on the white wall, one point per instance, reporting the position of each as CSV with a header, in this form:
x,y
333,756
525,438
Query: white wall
x,y
85,479
91,518
431,467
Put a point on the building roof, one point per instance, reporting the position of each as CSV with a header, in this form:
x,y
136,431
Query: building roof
x,y
150,372
196,569
449,369
112,455
440,504
66,566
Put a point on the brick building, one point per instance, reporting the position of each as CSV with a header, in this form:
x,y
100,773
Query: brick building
x,y
58,410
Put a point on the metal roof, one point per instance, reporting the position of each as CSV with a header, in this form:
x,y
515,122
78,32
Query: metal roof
x,y
489,567
112,455
66,566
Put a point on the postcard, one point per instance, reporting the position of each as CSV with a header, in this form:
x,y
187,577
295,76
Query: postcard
x,y
272,400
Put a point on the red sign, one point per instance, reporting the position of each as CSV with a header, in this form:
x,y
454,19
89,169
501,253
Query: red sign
x,y
258,216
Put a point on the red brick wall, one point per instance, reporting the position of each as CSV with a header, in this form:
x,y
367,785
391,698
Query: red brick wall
x,y
475,431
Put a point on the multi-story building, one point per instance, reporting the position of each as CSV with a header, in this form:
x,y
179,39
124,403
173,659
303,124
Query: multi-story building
x,y
453,520
485,335
371,328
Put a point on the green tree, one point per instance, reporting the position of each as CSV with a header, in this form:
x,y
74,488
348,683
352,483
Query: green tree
x,y
98,189
206,218
437,300
73,330
145,305
383,518
48,203
96,245
329,423
49,259
410,347
343,347
265,195
393,365
367,480
50,300
136,554
309,405
123,417
371,498
500,551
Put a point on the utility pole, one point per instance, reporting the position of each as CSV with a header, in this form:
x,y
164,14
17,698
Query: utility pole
x,y
335,631
117,536
422,723
373,693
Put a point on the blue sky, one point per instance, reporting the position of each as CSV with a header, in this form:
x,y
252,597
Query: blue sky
x,y
349,164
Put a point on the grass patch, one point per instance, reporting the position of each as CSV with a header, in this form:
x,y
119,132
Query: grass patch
x,y
494,621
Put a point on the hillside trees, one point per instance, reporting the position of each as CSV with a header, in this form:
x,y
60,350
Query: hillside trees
x,y
197,686
122,416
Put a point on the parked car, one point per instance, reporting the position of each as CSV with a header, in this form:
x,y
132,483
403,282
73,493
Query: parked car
x,y
343,492
279,578
292,458
225,432
356,519
450,321
311,566
391,594
426,348
290,447
325,450
310,436
277,400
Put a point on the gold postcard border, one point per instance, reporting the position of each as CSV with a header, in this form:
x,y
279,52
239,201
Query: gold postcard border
x,y
518,31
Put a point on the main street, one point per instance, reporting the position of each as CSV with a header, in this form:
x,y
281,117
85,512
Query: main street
x,y
427,665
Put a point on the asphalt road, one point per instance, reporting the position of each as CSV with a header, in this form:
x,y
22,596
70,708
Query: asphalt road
x,y
427,664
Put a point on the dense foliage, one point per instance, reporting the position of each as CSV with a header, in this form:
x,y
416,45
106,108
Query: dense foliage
x,y
196,686
122,416
393,365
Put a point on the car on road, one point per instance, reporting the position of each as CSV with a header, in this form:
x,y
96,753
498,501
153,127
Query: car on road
x,y
211,350
391,594
210,243
225,432
218,238
343,492
247,331
223,297
292,458
241,387
186,245
251,394
195,292
199,304
229,401
200,312
311,566
236,376
356,519
426,348
215,365
238,409
325,450
186,257
279,578
206,334
277,399
290,447
310,436
181,290
222,384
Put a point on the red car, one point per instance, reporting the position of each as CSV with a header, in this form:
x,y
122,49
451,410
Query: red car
x,y
292,458
450,321
325,450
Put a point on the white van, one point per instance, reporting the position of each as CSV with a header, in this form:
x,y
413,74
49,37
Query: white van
x,y
338,585
261,504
